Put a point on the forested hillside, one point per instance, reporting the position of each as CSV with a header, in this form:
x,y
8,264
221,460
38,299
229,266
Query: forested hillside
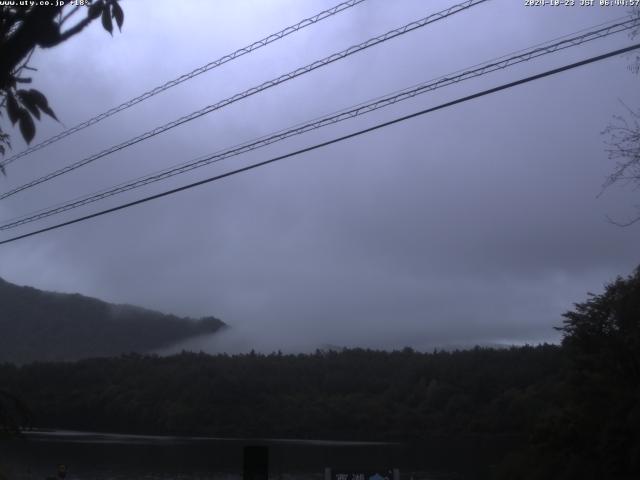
x,y
354,394
575,408
39,325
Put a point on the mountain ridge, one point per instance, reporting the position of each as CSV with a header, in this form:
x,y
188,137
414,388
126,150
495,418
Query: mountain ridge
x,y
38,325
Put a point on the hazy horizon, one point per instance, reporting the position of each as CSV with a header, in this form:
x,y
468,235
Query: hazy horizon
x,y
477,224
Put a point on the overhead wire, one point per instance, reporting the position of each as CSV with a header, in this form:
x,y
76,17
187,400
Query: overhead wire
x,y
342,115
252,91
318,17
330,142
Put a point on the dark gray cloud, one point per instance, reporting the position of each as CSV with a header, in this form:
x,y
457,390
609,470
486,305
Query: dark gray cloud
x,y
476,224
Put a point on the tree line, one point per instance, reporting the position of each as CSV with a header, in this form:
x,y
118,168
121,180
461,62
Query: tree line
x,y
575,406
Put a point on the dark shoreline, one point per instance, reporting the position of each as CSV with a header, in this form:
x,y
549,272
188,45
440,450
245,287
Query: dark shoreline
x,y
465,457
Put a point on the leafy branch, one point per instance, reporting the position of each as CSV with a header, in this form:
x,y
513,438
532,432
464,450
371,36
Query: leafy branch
x,y
22,30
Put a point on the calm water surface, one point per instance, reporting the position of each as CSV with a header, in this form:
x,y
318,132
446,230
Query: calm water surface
x,y
102,456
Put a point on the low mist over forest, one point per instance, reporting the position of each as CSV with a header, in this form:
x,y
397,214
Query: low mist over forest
x,y
399,231
38,325
575,408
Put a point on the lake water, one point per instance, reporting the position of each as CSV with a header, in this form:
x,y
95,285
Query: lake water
x,y
100,456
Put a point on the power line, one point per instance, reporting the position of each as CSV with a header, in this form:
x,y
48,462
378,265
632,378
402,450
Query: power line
x,y
330,142
345,114
188,76
252,91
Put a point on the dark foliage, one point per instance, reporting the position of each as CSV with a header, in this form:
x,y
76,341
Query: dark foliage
x,y
593,432
354,394
603,333
14,414
26,26
575,407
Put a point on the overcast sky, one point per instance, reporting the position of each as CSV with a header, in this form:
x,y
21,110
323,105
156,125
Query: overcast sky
x,y
475,224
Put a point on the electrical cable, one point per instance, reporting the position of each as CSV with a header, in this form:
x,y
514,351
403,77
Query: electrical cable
x,y
187,76
329,142
345,114
252,91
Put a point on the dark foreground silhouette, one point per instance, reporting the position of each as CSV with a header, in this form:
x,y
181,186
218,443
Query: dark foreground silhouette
x,y
575,407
